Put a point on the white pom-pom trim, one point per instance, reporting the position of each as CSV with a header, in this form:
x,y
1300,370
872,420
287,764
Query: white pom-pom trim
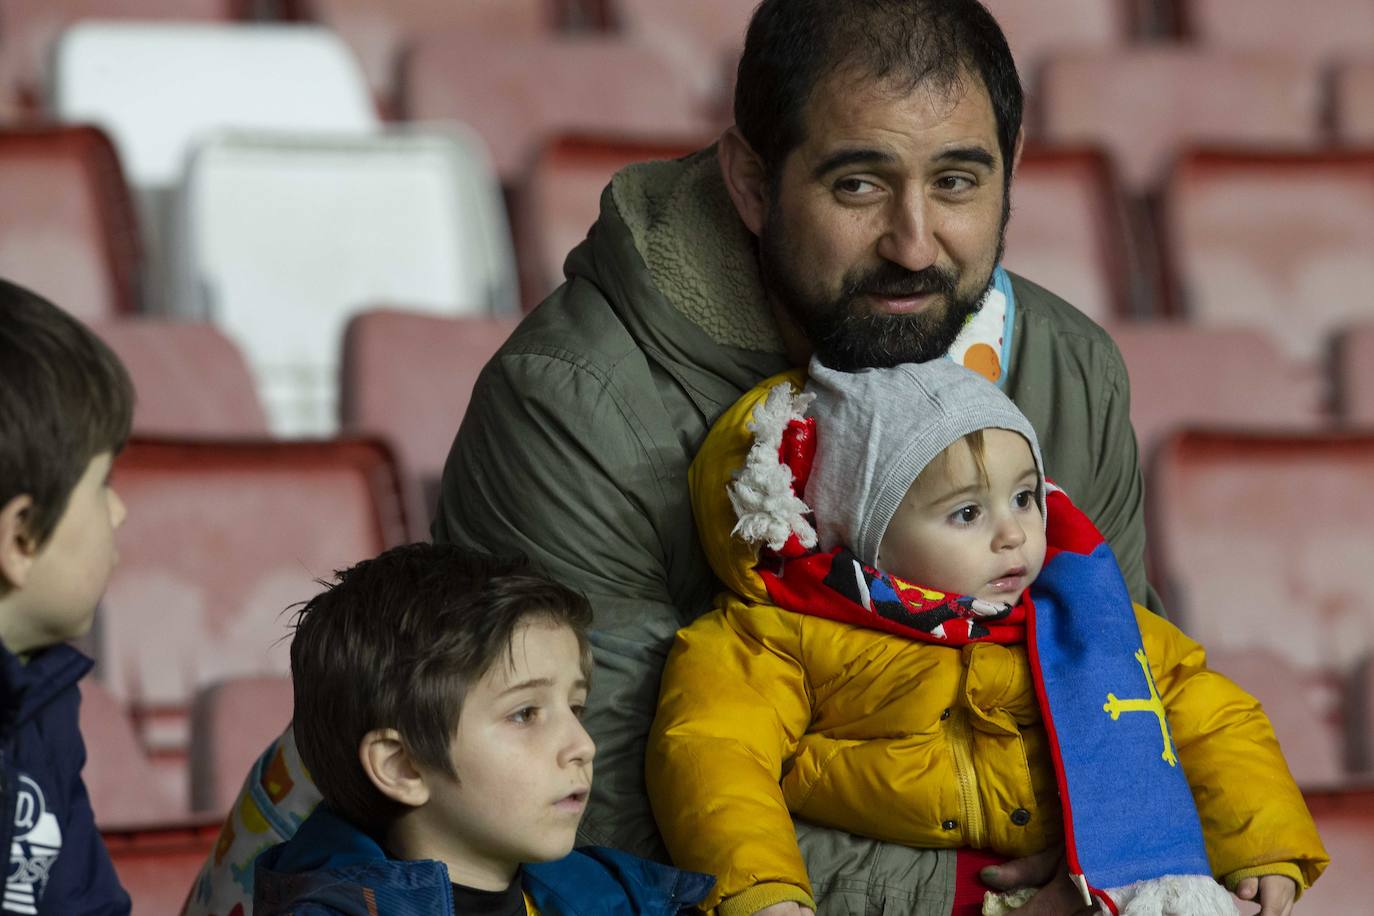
x,y
761,494
1174,895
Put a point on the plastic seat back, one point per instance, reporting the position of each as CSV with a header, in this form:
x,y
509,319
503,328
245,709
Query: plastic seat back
x,y
407,378
702,40
1145,105
1068,230
1353,101
231,722
518,92
412,217
1037,30
122,782
221,539
191,379
1336,28
1276,242
1345,820
1261,542
1182,375
67,224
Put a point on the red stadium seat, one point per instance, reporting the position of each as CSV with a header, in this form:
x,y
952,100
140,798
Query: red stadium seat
x,y
124,788
1182,375
67,224
221,538
158,864
407,378
1262,542
516,93
191,379
381,33
559,198
1037,30
1068,230
1304,708
1355,373
28,29
1322,32
1146,104
1353,101
231,722
1277,242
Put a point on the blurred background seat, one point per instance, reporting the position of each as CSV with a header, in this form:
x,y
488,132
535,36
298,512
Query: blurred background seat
x,y
231,722
67,224
407,378
1353,100
518,92
191,380
1277,242
221,539
1235,377
124,787
1345,820
1355,373
1323,31
412,216
1146,104
1069,231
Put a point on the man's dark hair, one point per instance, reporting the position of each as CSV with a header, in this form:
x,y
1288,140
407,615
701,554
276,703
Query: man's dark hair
x,y
396,642
64,398
793,45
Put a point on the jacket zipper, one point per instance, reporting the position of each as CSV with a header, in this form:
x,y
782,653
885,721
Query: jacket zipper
x,y
961,743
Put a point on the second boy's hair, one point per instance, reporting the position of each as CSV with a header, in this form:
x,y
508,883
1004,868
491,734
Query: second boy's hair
x,y
64,398
396,642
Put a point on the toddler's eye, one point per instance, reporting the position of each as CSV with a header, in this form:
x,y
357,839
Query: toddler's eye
x,y
1025,499
965,515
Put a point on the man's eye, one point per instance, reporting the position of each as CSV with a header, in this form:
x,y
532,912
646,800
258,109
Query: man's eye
x,y
853,186
954,183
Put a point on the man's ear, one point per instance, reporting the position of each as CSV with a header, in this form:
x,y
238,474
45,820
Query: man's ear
x,y
18,548
745,178
1016,151
387,763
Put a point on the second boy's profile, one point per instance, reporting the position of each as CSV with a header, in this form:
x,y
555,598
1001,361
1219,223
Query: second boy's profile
x,y
924,661
438,704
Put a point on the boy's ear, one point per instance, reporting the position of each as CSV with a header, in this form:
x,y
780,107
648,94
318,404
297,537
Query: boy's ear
x,y
18,549
745,178
387,763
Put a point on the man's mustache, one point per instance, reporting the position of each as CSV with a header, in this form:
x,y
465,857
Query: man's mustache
x,y
892,281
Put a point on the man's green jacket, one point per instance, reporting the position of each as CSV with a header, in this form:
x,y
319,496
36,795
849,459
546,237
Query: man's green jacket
x,y
576,444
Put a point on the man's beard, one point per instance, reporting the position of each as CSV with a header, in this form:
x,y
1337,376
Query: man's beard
x,y
849,337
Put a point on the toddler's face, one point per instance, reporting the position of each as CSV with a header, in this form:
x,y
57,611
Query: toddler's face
x,y
961,532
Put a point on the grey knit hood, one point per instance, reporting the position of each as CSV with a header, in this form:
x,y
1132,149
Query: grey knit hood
x,y
877,429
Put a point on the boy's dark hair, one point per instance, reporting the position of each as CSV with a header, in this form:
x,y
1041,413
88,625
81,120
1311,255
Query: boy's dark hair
x,y
396,642
64,398
792,45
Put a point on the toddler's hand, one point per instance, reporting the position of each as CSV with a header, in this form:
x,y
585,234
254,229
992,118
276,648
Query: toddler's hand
x,y
1275,893
786,908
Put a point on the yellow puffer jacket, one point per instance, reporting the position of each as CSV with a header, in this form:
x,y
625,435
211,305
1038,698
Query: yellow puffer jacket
x,y
765,711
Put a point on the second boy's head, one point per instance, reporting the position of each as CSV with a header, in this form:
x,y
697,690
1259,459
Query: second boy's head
x,y
438,703
929,472
66,405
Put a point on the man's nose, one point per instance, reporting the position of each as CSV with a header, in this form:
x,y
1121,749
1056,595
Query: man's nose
x,y
909,236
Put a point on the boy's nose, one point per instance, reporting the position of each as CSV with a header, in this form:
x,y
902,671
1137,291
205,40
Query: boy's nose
x,y
581,748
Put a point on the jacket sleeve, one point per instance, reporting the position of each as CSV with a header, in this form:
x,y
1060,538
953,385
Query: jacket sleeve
x,y
83,880
733,706
549,463
1254,819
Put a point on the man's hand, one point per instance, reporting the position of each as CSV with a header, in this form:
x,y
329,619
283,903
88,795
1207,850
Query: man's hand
x,y
786,908
1047,871
1274,893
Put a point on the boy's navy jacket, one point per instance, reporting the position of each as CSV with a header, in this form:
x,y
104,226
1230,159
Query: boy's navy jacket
x,y
331,867
58,863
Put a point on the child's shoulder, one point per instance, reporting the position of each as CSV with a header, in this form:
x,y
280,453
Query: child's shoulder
x,y
595,878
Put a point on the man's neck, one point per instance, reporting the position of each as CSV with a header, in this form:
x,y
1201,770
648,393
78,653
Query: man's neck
x,y
798,347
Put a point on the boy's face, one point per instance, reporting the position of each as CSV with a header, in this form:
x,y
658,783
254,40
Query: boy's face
x,y
958,532
523,759
69,572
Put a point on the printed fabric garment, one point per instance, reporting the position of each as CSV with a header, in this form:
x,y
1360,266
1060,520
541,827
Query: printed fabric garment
x,y
58,864
331,868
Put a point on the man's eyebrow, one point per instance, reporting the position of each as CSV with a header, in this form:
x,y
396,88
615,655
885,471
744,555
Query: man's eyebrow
x,y
860,156
974,154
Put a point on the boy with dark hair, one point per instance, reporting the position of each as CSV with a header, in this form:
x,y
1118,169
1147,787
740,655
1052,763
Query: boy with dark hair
x,y
438,706
66,405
